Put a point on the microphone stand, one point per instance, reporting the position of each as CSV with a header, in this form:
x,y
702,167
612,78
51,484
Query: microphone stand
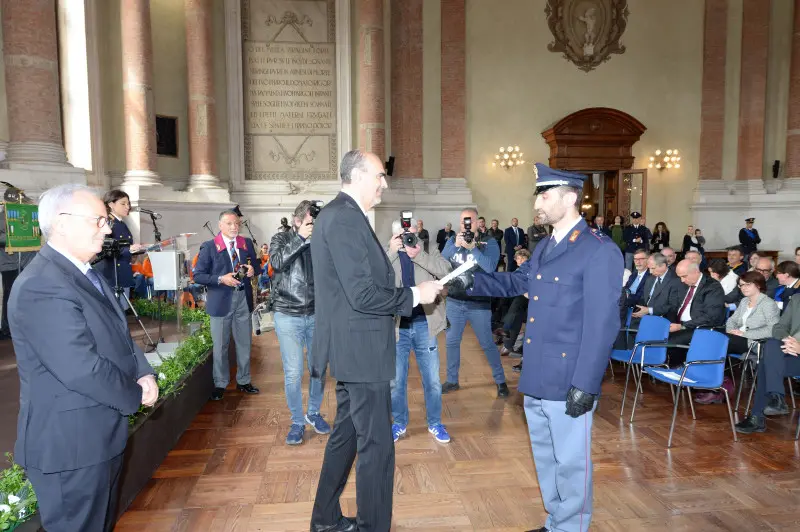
x,y
246,223
209,229
156,232
160,313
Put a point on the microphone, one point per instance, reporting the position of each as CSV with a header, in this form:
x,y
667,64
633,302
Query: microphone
x,y
151,213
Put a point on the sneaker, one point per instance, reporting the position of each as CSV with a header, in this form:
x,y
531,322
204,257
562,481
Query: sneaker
x,y
448,387
295,436
517,368
502,390
751,424
397,431
777,406
439,433
320,425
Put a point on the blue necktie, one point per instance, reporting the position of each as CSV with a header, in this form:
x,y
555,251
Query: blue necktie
x,y
95,279
635,285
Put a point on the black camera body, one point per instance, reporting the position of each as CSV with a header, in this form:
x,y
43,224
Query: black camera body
x,y
408,238
315,207
112,247
468,235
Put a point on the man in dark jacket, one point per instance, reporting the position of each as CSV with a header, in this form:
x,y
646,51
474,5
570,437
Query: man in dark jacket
x,y
292,297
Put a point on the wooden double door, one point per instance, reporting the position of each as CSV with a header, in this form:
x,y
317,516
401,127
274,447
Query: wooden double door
x,y
615,192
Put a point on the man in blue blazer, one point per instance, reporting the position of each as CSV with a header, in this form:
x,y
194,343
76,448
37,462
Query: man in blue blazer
x,y
514,237
81,375
229,301
573,282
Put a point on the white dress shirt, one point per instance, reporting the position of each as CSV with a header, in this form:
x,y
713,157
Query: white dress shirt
x,y
82,266
687,314
729,282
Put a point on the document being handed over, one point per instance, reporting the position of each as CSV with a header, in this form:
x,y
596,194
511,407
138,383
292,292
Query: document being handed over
x,y
458,271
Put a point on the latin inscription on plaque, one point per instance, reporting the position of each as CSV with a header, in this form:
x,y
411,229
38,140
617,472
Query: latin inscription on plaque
x,y
289,54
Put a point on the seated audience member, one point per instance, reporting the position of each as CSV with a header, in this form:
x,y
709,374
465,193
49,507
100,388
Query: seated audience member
x,y
797,255
754,319
516,314
779,359
671,257
703,306
634,288
752,261
697,258
788,275
735,260
766,267
718,269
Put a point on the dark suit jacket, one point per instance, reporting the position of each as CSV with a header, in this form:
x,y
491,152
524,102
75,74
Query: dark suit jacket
x,y
356,297
119,230
77,364
511,240
213,261
635,298
708,305
442,236
667,297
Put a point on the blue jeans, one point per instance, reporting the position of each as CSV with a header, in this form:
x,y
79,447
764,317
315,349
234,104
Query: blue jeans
x,y
427,352
295,332
479,315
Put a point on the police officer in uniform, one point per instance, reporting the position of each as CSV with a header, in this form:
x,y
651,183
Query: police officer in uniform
x,y
573,281
748,237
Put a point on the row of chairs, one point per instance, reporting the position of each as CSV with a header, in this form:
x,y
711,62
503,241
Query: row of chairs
x,y
704,368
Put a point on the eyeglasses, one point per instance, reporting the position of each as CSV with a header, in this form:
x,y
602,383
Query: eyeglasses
x,y
101,221
763,271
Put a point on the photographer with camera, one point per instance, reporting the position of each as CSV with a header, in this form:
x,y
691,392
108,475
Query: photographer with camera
x,y
461,308
227,265
412,264
118,246
292,299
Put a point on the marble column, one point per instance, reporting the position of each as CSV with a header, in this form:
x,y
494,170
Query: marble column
x,y
137,87
30,47
202,105
792,167
371,65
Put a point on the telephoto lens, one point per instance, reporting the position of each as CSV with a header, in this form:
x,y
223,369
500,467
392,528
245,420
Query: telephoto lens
x,y
410,240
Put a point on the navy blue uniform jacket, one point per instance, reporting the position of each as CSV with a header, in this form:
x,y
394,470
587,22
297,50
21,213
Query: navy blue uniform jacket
x,y
214,261
573,312
123,264
78,367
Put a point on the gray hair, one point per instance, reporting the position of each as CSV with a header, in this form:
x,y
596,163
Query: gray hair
x,y
693,266
686,255
57,200
472,210
227,212
771,261
352,160
659,259
397,226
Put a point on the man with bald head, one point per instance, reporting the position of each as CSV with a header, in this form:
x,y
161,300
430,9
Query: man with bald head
x,y
81,374
356,301
766,267
702,306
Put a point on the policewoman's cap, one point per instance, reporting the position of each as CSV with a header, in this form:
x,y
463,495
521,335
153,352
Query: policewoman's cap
x,y
547,178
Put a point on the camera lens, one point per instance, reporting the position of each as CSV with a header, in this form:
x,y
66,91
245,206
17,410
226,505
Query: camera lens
x,y
410,240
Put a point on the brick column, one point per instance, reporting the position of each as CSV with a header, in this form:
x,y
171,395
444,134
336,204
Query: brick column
x,y
202,106
712,111
371,65
454,88
137,87
30,48
407,87
792,166
753,96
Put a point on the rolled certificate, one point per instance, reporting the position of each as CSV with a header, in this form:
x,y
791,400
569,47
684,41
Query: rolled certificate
x,y
458,271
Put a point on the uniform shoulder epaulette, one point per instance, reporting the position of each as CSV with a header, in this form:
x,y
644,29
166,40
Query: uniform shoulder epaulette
x,y
599,235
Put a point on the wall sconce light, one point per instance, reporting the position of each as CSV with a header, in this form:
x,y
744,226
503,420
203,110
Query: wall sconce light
x,y
665,160
508,157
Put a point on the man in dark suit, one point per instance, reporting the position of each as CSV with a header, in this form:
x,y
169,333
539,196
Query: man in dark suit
x,y
663,291
356,301
81,374
703,306
635,287
748,237
515,240
227,265
444,235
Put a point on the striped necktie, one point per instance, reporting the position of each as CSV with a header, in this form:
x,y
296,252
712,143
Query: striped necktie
x,y
234,256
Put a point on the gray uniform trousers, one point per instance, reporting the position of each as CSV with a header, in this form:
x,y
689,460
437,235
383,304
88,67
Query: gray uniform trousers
x,y
238,322
562,452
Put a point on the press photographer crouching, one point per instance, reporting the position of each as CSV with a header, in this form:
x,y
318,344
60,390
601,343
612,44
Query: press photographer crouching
x,y
114,260
413,265
292,300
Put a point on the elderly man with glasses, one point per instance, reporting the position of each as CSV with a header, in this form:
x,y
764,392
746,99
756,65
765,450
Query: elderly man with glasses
x,y
766,267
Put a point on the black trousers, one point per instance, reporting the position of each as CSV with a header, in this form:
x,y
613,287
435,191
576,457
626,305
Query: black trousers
x,y
8,282
773,369
513,320
363,426
82,499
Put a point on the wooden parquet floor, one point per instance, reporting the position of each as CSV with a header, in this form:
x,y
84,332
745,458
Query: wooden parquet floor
x,y
231,471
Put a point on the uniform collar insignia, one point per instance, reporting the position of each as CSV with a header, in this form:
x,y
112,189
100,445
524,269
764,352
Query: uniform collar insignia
x,y
574,236
219,242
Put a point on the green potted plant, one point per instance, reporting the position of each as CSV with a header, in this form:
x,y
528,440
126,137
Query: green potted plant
x,y
17,499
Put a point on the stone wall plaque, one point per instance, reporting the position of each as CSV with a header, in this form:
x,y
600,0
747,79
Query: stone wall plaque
x,y
587,32
289,56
